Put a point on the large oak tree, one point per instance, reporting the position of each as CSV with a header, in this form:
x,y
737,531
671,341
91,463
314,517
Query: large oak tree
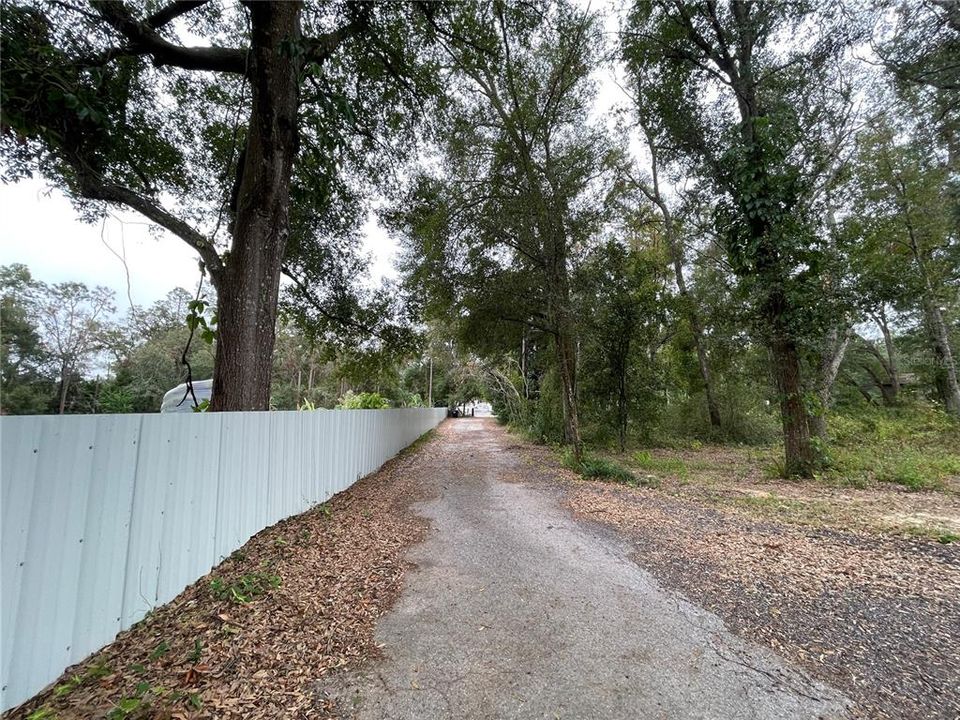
x,y
207,118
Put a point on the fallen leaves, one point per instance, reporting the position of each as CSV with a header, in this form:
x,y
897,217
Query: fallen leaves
x,y
876,616
256,637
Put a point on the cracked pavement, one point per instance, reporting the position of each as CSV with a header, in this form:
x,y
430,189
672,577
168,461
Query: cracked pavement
x,y
513,609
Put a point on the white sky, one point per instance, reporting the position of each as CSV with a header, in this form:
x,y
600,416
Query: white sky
x,y
39,228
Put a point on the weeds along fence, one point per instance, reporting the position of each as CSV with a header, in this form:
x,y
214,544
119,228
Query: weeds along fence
x,y
107,516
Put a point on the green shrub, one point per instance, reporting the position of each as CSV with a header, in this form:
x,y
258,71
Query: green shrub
x,y
362,401
744,419
599,468
915,446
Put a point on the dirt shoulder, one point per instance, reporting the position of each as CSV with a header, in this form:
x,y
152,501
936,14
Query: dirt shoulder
x,y
738,478
875,614
253,637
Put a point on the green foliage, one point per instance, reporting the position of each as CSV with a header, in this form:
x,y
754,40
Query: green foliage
x,y
200,317
245,588
667,465
42,713
916,446
197,651
162,648
92,673
745,418
594,467
362,401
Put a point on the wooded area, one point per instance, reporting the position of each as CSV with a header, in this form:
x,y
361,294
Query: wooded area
x,y
761,233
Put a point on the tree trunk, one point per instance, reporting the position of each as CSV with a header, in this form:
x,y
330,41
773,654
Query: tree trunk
x,y
885,392
947,386
800,458
64,384
622,408
567,365
891,366
248,285
712,407
831,357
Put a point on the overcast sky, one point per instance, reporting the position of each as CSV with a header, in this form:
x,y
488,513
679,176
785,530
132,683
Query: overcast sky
x,y
40,229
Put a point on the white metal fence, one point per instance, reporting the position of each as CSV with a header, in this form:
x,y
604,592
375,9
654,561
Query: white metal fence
x,y
107,516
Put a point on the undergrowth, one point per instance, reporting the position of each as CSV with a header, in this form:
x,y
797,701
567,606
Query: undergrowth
x,y
643,460
915,446
594,467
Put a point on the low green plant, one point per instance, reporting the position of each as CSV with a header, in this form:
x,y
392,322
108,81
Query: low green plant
x,y
64,689
775,469
129,705
668,465
245,588
194,655
598,468
95,672
42,713
162,648
914,446
362,401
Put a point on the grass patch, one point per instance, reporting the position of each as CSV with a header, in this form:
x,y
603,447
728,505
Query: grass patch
x,y
594,467
245,588
667,465
803,512
944,537
917,447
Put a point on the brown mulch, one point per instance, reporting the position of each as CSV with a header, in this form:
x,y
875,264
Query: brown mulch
x,y
875,616
205,655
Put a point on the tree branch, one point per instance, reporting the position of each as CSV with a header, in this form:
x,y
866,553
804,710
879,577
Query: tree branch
x,y
172,11
94,189
143,39
321,48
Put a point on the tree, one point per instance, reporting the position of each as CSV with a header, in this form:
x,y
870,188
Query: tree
x,y
907,240
279,99
652,188
620,311
520,187
74,323
756,120
26,389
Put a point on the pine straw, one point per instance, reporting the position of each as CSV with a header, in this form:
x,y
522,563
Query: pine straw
x,y
340,567
877,617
